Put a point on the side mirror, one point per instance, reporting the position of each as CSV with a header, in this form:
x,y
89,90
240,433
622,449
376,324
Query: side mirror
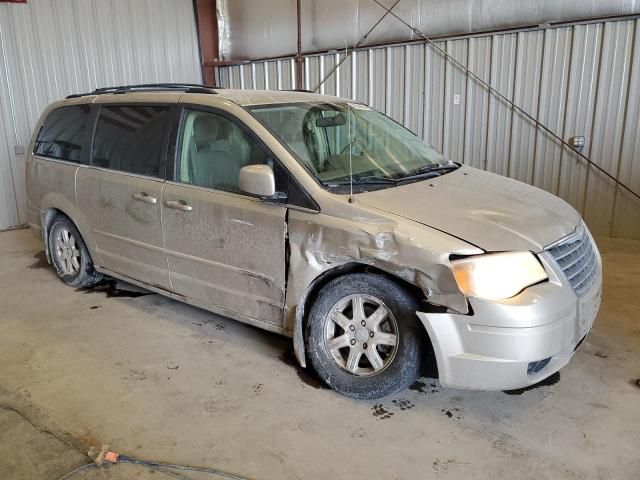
x,y
257,180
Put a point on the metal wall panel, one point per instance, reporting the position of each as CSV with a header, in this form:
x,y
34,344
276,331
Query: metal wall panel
x,y
577,80
552,108
455,93
626,207
414,88
526,95
51,49
395,81
503,66
378,76
610,117
344,86
475,142
434,78
360,77
580,109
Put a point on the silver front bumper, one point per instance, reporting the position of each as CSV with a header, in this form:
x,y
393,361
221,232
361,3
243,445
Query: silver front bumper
x,y
493,348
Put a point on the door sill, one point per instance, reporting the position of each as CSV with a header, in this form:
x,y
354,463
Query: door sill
x,y
198,303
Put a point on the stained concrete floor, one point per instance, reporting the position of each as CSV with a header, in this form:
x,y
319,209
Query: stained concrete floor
x,y
160,380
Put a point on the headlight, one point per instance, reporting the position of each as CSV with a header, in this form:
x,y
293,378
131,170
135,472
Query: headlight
x,y
497,276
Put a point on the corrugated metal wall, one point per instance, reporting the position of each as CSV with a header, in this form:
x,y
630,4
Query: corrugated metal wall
x,y
49,49
577,80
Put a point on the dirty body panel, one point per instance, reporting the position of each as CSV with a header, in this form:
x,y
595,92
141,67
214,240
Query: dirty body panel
x,y
125,222
227,250
494,212
56,189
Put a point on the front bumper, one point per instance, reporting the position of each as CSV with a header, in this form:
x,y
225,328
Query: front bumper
x,y
492,349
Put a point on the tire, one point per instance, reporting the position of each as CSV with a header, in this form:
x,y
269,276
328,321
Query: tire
x,y
69,254
343,349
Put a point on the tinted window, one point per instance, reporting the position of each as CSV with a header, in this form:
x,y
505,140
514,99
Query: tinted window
x,y
61,136
131,139
213,149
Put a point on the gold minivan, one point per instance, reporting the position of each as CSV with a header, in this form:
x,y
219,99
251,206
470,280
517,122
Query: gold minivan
x,y
321,219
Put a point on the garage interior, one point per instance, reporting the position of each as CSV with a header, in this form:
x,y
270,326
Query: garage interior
x,y
545,92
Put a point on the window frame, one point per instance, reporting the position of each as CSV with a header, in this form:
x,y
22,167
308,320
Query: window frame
x,y
166,139
85,141
173,162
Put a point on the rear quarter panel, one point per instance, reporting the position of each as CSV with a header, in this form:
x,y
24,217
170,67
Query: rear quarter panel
x,y
52,185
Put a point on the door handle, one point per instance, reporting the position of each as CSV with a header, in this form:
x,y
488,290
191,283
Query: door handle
x,y
144,197
178,205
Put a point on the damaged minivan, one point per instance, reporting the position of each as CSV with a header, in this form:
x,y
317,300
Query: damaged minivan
x,y
321,219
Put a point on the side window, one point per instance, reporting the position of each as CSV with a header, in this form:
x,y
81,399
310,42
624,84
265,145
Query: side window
x,y
212,149
131,139
62,134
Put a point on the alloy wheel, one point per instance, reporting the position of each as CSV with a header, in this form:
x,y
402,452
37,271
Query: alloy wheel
x,y
67,252
361,334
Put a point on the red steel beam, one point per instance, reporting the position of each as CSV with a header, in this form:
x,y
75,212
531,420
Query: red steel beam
x,y
207,27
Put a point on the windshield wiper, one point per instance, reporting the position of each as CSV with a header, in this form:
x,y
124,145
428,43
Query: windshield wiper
x,y
421,174
371,180
429,172
440,168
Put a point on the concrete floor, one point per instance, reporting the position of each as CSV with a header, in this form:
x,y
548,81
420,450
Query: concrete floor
x,y
160,380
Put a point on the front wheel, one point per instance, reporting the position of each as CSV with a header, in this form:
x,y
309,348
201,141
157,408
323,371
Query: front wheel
x,y
363,336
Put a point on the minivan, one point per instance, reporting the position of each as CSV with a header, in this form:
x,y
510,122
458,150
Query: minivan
x,y
321,219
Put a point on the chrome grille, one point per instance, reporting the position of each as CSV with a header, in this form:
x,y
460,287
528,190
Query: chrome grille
x,y
576,256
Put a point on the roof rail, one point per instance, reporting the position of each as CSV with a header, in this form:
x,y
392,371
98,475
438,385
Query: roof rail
x,y
151,87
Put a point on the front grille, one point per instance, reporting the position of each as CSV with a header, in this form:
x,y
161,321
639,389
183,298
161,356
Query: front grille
x,y
576,256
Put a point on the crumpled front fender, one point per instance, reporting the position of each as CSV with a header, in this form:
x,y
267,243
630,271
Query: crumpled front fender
x,y
319,244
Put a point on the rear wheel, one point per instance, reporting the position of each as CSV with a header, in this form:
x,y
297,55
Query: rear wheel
x,y
363,336
69,254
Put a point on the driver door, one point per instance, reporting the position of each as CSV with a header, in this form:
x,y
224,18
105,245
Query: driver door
x,y
225,248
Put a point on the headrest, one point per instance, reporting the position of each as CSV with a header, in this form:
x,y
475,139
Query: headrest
x,y
205,128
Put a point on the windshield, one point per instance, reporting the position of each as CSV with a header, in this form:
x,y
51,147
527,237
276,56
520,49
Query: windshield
x,y
334,139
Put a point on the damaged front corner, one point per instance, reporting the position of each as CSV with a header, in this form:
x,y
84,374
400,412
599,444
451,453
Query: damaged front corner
x,y
441,289
318,244
456,302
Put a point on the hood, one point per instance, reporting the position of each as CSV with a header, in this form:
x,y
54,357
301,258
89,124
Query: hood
x,y
492,212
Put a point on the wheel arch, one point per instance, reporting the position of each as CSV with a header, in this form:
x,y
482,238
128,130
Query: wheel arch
x,y
57,206
313,290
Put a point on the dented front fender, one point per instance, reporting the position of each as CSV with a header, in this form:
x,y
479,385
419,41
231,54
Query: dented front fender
x,y
319,243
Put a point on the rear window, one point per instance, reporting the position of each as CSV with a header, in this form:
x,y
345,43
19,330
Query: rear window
x,y
131,139
62,135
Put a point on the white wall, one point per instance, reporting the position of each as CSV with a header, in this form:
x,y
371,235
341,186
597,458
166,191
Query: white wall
x,y
52,48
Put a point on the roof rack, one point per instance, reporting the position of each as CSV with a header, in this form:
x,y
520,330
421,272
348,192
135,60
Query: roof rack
x,y
151,87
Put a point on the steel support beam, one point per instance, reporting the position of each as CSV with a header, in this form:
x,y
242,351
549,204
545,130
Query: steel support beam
x,y
208,41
